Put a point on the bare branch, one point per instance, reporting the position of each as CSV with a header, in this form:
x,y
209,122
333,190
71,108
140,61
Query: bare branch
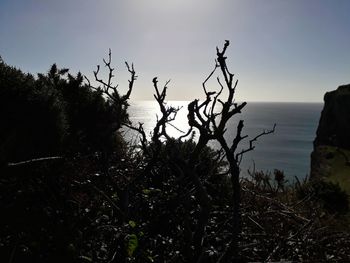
x,y
141,131
212,129
131,81
42,159
251,146
209,76
168,114
120,103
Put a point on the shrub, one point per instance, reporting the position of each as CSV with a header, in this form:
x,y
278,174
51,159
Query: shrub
x,y
330,195
54,114
33,120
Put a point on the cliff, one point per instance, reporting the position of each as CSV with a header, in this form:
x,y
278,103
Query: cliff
x,y
334,125
331,154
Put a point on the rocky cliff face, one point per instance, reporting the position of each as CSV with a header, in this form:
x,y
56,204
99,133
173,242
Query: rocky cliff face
x,y
334,125
333,132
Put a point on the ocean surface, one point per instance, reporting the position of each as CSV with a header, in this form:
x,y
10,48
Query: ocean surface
x,y
287,149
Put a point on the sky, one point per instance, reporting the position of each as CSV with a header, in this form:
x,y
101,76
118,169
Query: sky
x,y
281,50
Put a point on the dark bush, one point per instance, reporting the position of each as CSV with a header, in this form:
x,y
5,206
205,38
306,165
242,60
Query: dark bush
x,y
54,114
33,118
91,120
330,195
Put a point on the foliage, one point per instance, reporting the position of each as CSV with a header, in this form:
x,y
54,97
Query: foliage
x,y
54,114
330,195
68,212
91,122
33,121
165,200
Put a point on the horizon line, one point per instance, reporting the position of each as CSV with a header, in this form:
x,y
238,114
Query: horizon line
x,y
248,101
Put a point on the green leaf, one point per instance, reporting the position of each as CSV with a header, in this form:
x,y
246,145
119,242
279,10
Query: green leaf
x,y
86,258
132,224
146,191
132,244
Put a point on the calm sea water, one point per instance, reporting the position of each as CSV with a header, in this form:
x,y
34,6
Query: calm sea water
x,y
287,149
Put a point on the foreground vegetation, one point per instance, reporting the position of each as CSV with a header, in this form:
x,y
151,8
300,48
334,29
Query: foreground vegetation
x,y
164,200
70,211
334,165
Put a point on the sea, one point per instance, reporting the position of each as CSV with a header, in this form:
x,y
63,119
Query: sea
x,y
287,149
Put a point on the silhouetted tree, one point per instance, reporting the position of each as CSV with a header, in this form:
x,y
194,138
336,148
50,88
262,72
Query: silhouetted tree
x,y
212,123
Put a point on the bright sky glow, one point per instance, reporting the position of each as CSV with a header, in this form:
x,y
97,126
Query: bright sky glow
x,y
281,50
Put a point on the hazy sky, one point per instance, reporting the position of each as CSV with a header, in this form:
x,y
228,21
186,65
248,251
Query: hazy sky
x,y
281,50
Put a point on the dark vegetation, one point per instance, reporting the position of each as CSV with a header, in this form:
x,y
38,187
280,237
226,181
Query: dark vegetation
x,y
54,114
72,190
